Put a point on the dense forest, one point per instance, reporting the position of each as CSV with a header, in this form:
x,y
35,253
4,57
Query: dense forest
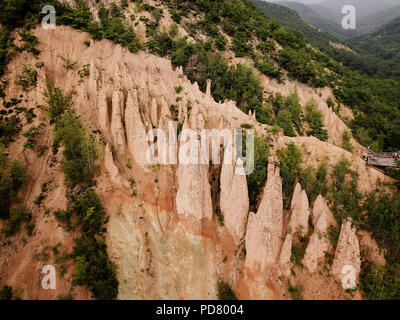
x,y
382,44
374,101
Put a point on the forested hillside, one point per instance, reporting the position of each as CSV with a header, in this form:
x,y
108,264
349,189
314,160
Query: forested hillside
x,y
314,15
363,7
383,44
328,18
320,39
374,21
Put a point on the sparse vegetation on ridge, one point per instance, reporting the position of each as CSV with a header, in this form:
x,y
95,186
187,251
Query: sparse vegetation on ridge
x,y
93,267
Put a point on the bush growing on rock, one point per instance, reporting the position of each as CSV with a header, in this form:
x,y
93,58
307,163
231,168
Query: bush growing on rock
x,y
290,159
225,292
256,180
12,177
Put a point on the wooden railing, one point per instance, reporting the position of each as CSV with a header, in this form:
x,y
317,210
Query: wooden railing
x,y
380,159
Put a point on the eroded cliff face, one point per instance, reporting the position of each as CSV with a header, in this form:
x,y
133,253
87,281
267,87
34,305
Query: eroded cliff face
x,y
234,199
163,232
264,229
347,254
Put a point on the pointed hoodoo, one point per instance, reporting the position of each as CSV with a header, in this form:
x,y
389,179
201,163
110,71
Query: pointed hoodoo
x,y
94,76
300,212
154,112
322,219
264,229
285,263
117,129
298,225
118,79
180,111
110,166
103,110
234,199
135,130
347,262
193,198
208,90
165,114
194,116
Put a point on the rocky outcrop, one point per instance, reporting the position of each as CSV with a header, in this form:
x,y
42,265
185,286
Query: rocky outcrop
x,y
285,263
264,229
182,111
208,89
92,83
165,114
117,129
154,112
193,198
322,219
234,200
103,110
298,224
110,166
135,130
300,212
347,254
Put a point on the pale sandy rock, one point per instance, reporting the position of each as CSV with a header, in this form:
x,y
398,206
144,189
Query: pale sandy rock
x,y
285,264
41,86
234,200
110,166
208,89
182,109
165,113
347,252
154,112
300,214
94,76
118,78
319,243
200,123
298,223
103,110
117,129
264,229
296,193
135,130
193,199
321,209
194,117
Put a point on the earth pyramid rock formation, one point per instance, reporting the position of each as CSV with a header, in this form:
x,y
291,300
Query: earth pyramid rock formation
x,y
347,255
300,212
322,218
193,198
264,229
117,129
135,130
234,201
298,223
